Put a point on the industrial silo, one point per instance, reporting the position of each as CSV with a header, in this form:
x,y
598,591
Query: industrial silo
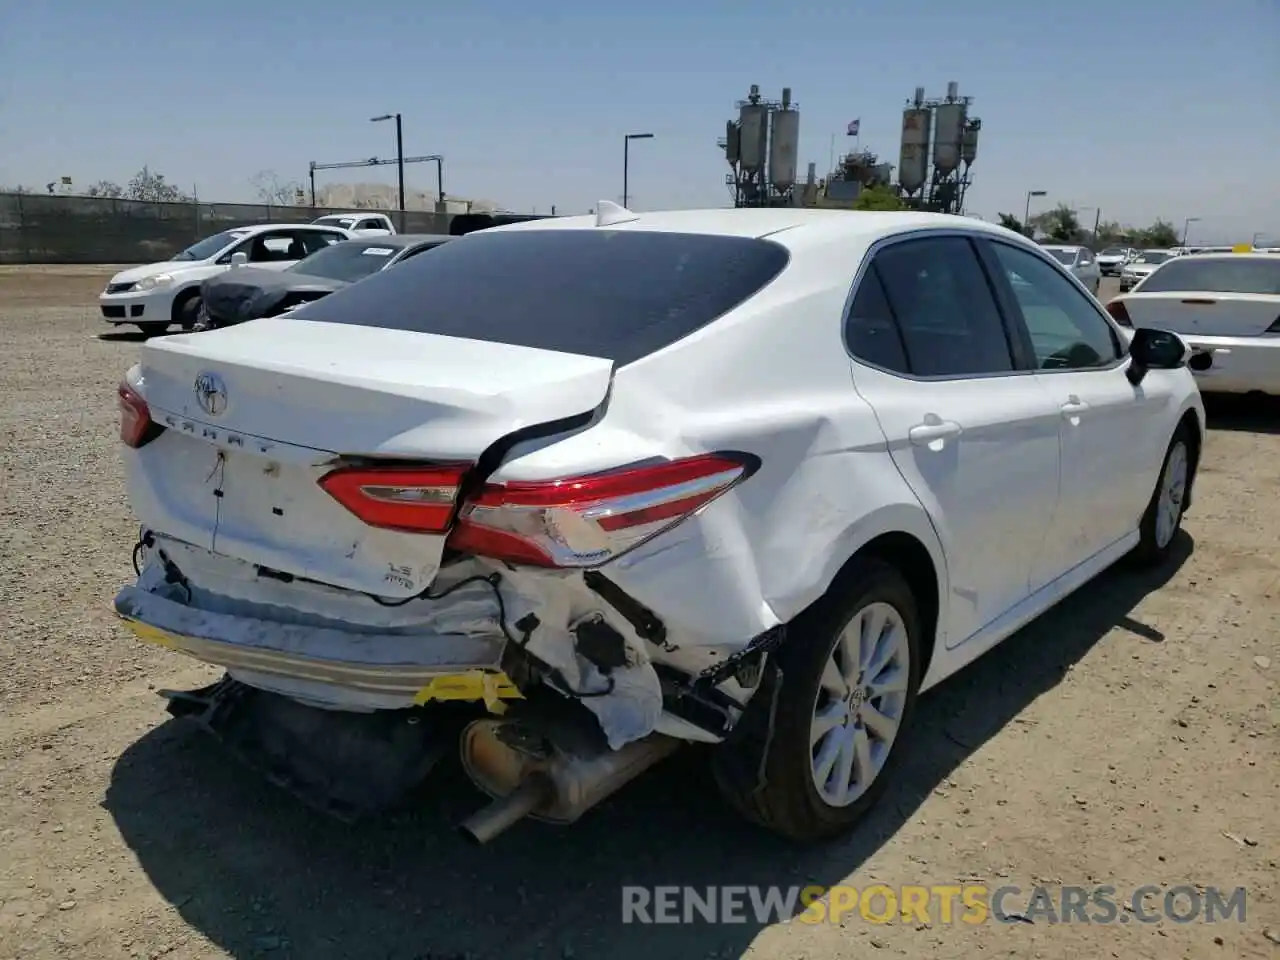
x,y
969,142
913,159
784,144
948,131
753,131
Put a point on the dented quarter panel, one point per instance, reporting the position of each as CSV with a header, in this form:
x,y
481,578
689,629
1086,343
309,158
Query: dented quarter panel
x,y
760,554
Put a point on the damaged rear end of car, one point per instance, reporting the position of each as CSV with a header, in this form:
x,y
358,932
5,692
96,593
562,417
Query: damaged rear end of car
x,y
414,492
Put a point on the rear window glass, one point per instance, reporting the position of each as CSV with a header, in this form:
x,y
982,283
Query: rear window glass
x,y
1218,275
619,295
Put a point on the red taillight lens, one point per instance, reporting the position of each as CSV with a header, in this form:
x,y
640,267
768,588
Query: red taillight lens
x,y
587,521
1119,313
136,425
412,499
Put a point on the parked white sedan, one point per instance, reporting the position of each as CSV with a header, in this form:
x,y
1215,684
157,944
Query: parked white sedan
x,y
754,478
1081,262
156,296
1227,308
1142,266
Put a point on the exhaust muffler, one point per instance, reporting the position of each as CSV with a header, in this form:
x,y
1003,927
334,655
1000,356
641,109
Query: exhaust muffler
x,y
534,769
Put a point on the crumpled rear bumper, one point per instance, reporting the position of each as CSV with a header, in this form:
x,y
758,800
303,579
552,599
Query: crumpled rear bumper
x,y
338,668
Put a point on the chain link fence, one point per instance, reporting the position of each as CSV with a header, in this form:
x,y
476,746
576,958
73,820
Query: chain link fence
x,y
35,228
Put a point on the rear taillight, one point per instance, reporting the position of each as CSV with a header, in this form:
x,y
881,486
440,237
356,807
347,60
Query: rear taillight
x,y
587,521
1119,313
136,426
412,499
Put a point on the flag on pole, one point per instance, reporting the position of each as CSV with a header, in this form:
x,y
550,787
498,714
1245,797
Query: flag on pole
x,y
853,127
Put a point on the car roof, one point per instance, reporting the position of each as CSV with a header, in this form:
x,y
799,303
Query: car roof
x,y
1226,255
397,241
259,227
791,226
353,215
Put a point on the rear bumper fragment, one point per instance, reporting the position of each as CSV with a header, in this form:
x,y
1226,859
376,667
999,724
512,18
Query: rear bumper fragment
x,y
336,667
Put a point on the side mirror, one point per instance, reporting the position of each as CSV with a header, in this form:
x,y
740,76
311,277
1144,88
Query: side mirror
x,y
239,259
1155,350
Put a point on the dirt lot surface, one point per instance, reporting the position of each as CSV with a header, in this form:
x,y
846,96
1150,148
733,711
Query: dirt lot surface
x,y
1131,737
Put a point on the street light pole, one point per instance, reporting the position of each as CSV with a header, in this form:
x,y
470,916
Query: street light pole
x,y
1026,214
626,158
1186,225
399,155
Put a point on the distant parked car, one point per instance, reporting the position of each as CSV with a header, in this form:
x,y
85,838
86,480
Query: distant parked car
x,y
1226,306
1112,260
1142,267
246,294
361,224
156,296
1080,261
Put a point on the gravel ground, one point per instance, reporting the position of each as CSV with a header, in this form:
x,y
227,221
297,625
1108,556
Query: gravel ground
x,y
1130,737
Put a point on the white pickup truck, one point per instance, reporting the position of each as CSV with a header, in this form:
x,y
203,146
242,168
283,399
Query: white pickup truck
x,y
361,224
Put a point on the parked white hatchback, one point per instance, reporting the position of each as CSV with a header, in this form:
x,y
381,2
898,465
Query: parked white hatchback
x,y
754,478
1227,308
156,296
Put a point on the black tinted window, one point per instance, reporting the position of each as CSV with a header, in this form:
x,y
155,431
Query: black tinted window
x,y
870,330
1067,332
614,294
1216,275
944,307
350,260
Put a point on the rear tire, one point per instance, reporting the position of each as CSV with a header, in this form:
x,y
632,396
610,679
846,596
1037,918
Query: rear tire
x,y
850,672
1163,517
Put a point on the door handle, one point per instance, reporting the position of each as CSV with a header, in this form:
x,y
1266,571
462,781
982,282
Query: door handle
x,y
923,434
1074,406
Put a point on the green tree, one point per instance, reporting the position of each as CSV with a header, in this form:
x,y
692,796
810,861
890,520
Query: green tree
x,y
1061,224
1010,222
1113,234
878,197
1162,233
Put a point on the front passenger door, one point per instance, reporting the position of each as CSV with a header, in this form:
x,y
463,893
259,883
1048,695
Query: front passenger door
x,y
1110,447
975,440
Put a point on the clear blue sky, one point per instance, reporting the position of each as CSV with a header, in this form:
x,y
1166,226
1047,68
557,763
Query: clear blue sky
x,y
1145,107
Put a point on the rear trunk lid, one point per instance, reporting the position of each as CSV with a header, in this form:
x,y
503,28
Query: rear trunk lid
x,y
368,391
257,414
1205,314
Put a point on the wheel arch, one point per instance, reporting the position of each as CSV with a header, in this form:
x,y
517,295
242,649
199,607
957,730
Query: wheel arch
x,y
180,300
1190,424
903,537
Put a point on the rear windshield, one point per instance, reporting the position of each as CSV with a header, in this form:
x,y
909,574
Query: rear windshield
x,y
615,294
1216,275
1067,257
349,261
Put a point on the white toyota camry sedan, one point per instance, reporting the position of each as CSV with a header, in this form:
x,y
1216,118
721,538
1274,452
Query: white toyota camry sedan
x,y
753,478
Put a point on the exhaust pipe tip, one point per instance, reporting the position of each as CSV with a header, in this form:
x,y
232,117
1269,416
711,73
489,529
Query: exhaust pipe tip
x,y
505,812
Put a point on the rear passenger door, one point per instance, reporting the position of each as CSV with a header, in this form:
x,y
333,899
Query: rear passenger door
x,y
1113,434
976,440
